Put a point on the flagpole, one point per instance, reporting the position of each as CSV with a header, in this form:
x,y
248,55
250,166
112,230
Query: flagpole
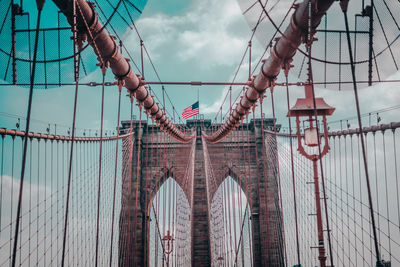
x,y
198,99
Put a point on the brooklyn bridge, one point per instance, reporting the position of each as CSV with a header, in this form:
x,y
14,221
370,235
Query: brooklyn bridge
x,y
290,159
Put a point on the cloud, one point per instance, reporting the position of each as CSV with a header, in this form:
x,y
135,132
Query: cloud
x,y
216,105
200,35
33,193
204,43
42,222
376,97
236,90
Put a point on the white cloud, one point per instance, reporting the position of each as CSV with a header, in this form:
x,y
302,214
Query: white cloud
x,y
202,35
372,98
236,90
33,193
205,43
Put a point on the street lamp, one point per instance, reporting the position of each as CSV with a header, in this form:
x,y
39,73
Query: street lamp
x,y
168,246
310,110
220,260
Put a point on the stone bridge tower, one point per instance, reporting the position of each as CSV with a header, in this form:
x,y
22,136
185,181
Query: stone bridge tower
x,y
153,168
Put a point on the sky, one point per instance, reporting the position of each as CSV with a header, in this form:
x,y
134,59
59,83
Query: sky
x,y
197,40
186,41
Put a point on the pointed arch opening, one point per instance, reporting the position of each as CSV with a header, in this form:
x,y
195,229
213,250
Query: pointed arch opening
x,y
170,226
231,231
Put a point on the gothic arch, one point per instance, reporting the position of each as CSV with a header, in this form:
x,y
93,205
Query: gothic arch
x,y
169,219
158,181
231,243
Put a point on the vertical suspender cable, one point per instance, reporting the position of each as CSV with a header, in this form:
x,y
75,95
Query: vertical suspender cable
x,y
137,181
224,221
370,41
292,167
343,5
51,202
250,200
30,197
146,177
45,202
279,175
156,210
2,177
76,65
12,188
242,218
265,176
396,173
141,56
260,237
129,198
28,119
103,70
310,41
115,171
232,195
387,194
38,196
152,201
228,196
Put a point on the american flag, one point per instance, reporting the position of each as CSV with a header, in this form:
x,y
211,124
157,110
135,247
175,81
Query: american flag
x,y
191,111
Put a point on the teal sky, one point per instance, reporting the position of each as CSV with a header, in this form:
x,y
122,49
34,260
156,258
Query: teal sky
x,y
173,7
187,41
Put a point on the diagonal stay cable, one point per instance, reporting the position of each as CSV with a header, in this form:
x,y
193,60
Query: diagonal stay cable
x,y
148,56
265,50
77,57
241,62
371,208
21,186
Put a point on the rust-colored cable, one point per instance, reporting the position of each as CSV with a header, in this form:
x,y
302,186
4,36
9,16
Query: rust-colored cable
x,y
371,207
284,49
106,48
136,212
260,237
278,173
115,176
130,184
250,200
265,176
292,170
100,166
72,136
21,186
146,197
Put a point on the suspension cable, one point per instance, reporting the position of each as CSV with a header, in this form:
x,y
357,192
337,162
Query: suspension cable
x,y
137,180
32,81
292,167
103,69
278,171
115,172
343,5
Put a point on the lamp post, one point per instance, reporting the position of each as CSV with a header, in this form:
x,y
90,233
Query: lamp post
x,y
220,260
310,110
168,246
